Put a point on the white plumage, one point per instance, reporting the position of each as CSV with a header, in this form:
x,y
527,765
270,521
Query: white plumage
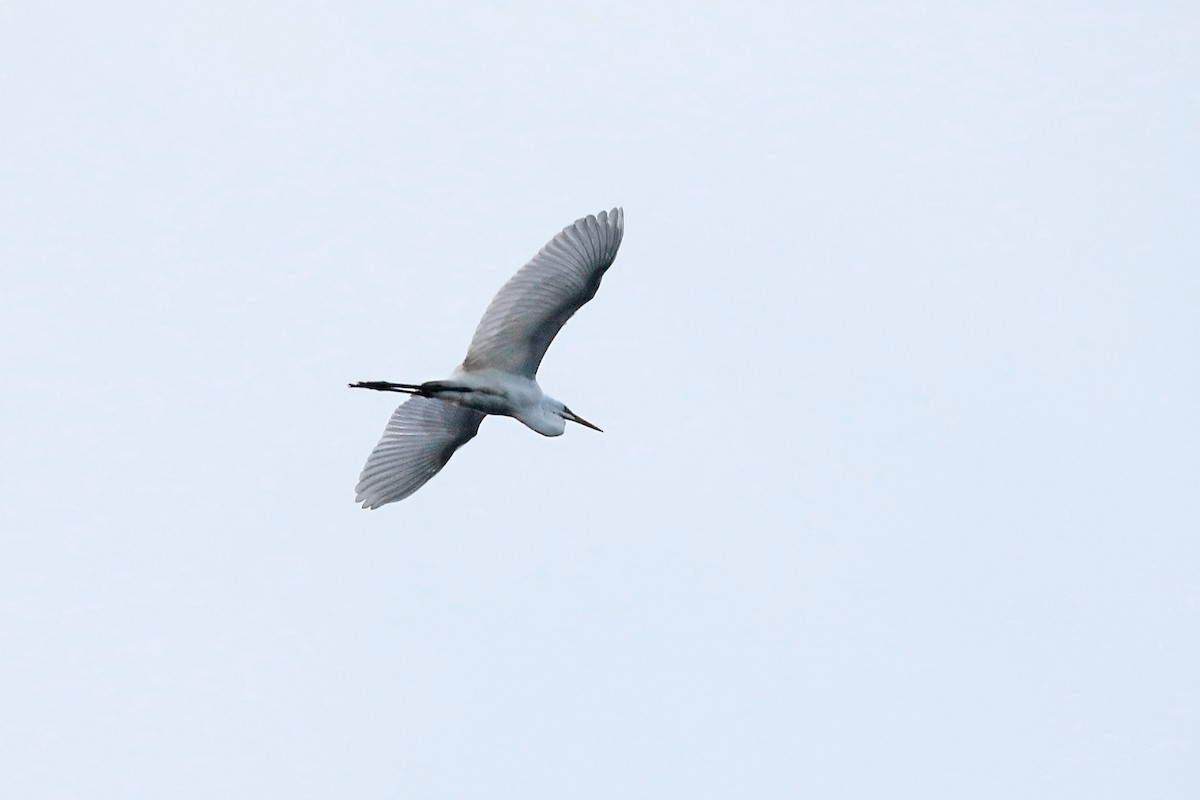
x,y
419,439
499,373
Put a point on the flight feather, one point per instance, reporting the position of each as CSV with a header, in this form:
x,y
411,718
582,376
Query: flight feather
x,y
529,311
419,439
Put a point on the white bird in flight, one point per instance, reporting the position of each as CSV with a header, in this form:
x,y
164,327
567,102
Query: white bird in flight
x,y
499,374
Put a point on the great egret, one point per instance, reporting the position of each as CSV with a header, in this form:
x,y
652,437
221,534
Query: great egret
x,y
499,374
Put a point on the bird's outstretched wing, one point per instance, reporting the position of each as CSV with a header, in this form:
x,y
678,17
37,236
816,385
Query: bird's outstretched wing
x,y
532,307
418,441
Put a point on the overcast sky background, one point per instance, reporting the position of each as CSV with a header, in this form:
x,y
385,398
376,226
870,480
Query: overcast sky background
x,y
899,369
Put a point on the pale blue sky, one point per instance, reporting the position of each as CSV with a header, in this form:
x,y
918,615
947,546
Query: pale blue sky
x,y
899,369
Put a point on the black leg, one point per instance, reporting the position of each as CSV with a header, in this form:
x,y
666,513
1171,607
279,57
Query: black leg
x,y
387,386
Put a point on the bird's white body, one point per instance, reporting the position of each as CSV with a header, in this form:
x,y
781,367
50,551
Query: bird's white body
x,y
499,374
494,391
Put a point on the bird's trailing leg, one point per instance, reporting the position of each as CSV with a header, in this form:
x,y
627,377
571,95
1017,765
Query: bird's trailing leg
x,y
427,389
387,386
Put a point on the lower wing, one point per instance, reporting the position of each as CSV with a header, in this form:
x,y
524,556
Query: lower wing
x,y
418,441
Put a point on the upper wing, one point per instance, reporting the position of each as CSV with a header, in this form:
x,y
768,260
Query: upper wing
x,y
418,441
532,307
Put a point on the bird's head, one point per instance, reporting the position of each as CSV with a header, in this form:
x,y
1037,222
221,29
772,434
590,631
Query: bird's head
x,y
551,416
571,416
559,413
